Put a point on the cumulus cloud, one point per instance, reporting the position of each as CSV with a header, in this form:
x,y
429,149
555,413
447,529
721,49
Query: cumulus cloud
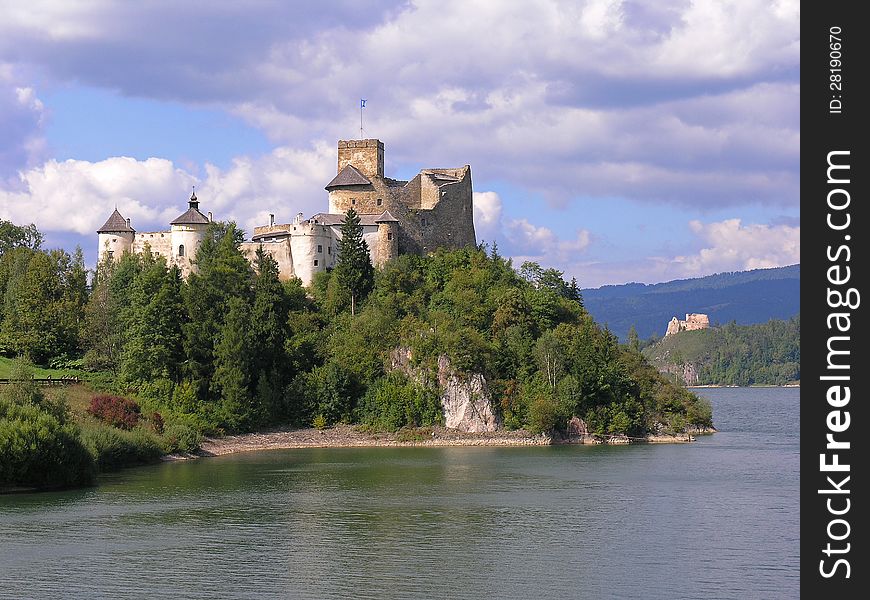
x,y
77,196
656,102
732,246
487,216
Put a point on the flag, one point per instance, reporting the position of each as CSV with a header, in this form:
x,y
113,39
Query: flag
x,y
362,103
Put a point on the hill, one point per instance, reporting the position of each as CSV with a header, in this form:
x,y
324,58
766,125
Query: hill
x,y
761,354
745,297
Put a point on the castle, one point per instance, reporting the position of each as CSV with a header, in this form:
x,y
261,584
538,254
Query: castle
x,y
433,210
693,322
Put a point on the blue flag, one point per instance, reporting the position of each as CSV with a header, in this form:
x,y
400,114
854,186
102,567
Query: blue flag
x,y
362,103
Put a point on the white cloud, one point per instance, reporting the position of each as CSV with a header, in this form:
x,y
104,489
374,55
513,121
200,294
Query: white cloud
x,y
548,96
487,216
732,246
77,196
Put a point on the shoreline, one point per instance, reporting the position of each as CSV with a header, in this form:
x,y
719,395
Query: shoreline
x,y
759,385
347,436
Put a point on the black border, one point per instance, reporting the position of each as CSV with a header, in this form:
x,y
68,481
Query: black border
x,y
821,133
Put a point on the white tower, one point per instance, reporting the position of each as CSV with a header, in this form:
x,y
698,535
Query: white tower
x,y
187,232
115,237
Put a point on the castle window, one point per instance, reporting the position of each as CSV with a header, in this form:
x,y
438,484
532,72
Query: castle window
x,y
353,201
423,221
380,201
316,262
389,235
111,254
329,249
181,250
319,249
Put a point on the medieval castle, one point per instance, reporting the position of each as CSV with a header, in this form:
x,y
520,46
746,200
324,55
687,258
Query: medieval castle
x,y
693,322
433,210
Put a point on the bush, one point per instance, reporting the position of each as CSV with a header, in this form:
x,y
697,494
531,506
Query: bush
x,y
394,402
115,410
544,415
114,448
319,422
180,437
37,449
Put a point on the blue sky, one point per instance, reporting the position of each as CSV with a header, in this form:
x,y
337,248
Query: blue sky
x,y
615,140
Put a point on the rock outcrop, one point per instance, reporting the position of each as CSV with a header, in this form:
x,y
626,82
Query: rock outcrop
x,y
465,397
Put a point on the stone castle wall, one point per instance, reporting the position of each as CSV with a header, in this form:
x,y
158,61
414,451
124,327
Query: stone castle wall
x,y
365,155
693,322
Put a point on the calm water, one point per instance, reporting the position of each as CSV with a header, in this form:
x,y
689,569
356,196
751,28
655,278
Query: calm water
x,y
714,519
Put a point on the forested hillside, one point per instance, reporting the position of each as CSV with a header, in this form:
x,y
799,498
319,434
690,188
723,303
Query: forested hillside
x,y
762,354
233,349
745,297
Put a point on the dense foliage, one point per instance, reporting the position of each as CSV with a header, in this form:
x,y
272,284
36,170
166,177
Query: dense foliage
x,y
39,444
233,348
745,297
115,411
764,354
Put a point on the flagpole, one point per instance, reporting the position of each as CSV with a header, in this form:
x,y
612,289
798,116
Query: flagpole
x,y
362,105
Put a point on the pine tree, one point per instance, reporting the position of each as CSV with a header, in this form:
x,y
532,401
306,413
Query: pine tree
x,y
354,270
154,349
269,332
231,383
223,273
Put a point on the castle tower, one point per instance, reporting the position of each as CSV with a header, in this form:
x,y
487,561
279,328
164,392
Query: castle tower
x,y
115,237
366,155
388,238
187,232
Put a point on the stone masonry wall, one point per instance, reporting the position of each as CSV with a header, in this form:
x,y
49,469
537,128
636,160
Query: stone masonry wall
x,y
366,155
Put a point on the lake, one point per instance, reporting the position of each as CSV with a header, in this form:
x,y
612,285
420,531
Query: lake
x,y
718,518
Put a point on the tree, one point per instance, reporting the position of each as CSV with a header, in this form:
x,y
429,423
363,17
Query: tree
x,y
154,349
232,369
270,330
43,303
18,236
633,340
354,270
222,273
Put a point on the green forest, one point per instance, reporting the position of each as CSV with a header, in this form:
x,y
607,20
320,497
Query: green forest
x,y
234,349
763,354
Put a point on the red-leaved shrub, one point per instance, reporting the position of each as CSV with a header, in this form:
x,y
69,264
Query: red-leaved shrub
x,y
116,411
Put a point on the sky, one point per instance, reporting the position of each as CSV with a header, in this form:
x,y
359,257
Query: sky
x,y
614,140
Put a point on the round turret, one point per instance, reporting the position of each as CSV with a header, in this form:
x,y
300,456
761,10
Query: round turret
x,y
187,232
114,238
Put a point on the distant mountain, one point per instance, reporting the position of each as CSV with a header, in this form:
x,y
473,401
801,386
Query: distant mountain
x,y
745,297
765,353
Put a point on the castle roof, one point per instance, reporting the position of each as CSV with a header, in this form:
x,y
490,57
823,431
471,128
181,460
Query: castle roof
x,y
116,224
338,219
269,234
349,175
386,217
191,216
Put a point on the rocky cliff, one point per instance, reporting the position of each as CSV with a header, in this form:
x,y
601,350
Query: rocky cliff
x,y
465,397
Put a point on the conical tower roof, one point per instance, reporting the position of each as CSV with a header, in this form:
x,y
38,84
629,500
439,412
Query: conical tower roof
x,y
116,224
